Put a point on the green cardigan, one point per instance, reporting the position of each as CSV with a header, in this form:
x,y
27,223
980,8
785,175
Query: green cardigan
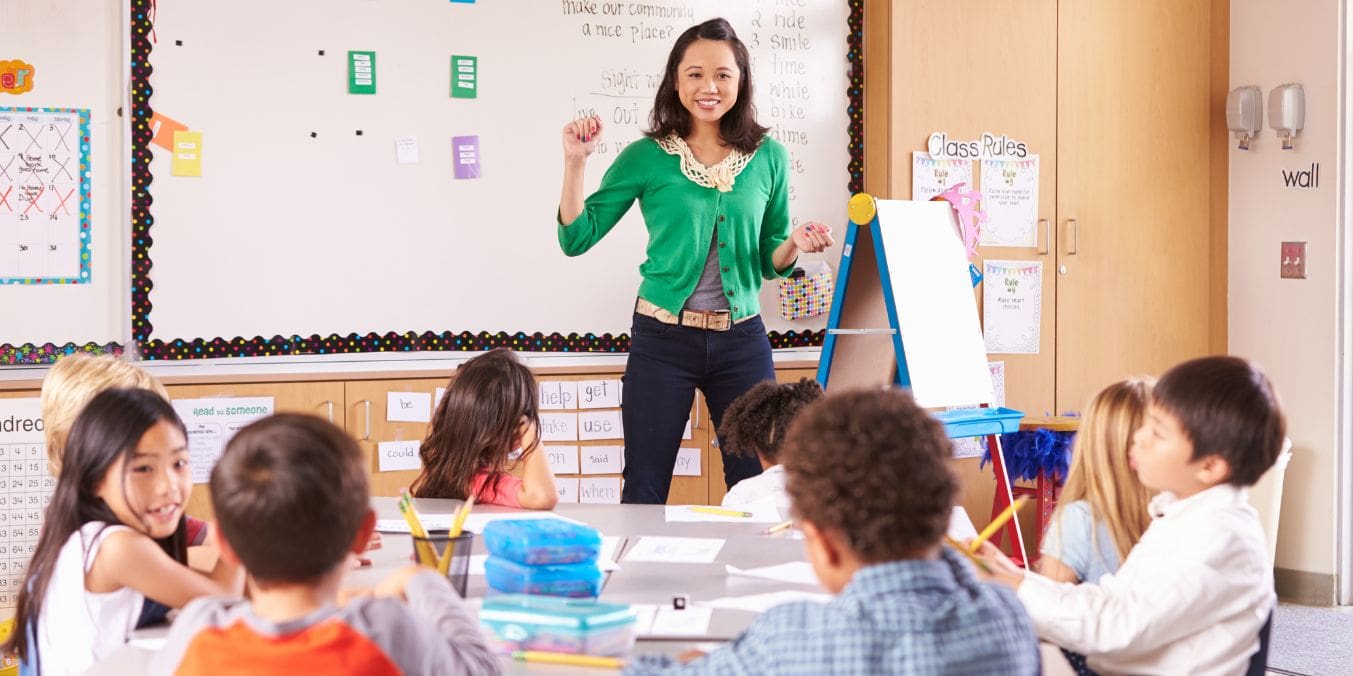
x,y
752,220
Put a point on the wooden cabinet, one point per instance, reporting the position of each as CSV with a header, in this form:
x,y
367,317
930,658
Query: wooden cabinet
x,y
1118,101
368,421
324,399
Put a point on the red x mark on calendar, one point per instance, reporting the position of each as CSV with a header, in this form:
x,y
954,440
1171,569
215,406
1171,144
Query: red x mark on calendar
x,y
4,198
62,202
34,203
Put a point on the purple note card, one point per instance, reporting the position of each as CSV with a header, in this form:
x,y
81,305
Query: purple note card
x,y
465,156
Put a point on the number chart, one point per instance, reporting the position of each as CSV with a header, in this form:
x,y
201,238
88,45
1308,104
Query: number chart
x,y
25,489
44,196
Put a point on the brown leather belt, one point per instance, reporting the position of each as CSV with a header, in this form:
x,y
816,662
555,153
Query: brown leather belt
x,y
710,320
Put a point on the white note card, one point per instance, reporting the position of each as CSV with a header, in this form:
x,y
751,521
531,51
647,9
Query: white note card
x,y
563,460
408,407
567,488
687,462
556,395
212,423
654,549
598,393
798,572
437,400
594,425
686,433
406,149
397,455
558,426
602,459
599,490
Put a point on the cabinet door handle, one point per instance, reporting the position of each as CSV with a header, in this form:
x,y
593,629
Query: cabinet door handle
x,y
330,404
1043,229
366,434
1074,246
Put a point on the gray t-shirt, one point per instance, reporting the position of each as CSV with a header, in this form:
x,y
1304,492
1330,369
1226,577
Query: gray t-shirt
x,y
709,293
434,633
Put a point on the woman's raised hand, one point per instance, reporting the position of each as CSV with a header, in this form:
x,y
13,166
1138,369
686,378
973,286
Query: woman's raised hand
x,y
581,137
812,237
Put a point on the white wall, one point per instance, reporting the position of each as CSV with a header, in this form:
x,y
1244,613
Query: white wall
x,y
1289,326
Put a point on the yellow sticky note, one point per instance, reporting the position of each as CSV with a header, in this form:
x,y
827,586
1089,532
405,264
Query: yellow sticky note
x,y
187,154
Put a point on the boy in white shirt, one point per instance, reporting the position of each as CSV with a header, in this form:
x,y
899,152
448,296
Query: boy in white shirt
x,y
1196,589
755,423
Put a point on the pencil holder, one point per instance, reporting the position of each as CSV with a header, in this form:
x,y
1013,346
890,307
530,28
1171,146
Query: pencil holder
x,y
452,556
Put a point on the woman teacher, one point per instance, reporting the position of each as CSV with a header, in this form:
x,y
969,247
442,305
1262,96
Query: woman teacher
x,y
714,192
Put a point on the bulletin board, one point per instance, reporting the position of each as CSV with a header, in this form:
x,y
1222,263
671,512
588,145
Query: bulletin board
x,y
327,218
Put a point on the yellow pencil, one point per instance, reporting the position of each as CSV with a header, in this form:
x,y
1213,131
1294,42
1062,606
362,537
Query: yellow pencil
x,y
996,523
566,658
461,515
427,555
779,527
719,511
971,557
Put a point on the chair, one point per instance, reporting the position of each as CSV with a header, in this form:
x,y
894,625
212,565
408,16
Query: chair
x,y
1266,496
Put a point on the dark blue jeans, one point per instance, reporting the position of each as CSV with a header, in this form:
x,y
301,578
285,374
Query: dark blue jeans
x,y
666,365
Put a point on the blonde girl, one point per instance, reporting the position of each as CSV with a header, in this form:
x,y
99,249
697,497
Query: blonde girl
x,y
1102,509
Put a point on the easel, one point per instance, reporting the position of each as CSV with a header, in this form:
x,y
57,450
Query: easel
x,y
873,334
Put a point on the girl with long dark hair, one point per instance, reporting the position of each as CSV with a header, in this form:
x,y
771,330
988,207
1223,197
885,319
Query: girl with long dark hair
x,y
121,493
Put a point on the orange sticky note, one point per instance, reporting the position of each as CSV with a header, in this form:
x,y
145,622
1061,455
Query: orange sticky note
x,y
163,129
187,154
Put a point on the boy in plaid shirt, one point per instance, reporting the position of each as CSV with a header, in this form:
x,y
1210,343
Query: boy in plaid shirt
x,y
868,475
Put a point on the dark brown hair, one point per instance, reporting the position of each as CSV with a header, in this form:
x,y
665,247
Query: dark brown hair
x,y
108,428
290,493
872,466
477,425
738,126
1228,408
755,423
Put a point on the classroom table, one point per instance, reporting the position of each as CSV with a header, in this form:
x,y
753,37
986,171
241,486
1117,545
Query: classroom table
x,y
745,546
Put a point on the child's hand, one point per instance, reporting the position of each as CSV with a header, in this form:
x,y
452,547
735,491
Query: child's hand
x,y
1003,570
690,656
393,586
374,542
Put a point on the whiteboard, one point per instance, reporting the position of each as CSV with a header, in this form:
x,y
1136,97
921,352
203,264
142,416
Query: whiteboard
x,y
77,49
927,272
299,226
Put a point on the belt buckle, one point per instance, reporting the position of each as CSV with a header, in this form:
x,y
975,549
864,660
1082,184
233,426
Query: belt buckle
x,y
723,321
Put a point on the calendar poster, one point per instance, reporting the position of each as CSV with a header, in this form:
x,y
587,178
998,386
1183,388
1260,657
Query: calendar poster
x,y
25,490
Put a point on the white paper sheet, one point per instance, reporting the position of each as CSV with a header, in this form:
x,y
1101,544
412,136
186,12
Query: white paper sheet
x,y
602,459
566,488
26,489
599,393
408,407
212,423
406,149
599,490
397,455
597,425
656,549
664,621
1010,200
930,177
563,459
797,572
558,395
960,526
760,513
760,603
928,274
1012,306
687,462
558,427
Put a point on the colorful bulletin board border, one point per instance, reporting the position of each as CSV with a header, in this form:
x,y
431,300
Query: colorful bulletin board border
x,y
83,277
30,354
434,341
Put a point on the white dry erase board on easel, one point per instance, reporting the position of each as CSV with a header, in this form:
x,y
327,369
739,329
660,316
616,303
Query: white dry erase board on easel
x,y
310,230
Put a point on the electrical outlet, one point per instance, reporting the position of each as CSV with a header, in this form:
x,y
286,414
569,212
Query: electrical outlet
x,y
1293,260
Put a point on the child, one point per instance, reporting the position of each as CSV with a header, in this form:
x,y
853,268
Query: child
x,y
487,414
122,486
291,500
755,424
1102,512
868,474
1193,594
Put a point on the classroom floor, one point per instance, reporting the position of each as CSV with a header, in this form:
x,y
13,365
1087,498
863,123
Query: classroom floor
x,y
1308,640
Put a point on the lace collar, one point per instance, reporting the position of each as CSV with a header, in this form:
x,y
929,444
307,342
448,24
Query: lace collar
x,y
720,176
